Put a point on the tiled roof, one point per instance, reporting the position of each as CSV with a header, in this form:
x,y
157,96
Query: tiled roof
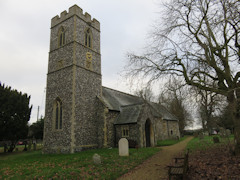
x,y
115,99
129,114
130,106
163,111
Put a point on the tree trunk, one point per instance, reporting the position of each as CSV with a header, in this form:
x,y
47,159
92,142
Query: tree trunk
x,y
234,105
5,148
237,135
237,127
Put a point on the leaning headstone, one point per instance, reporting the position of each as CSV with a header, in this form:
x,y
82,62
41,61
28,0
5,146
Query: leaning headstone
x,y
216,140
96,159
123,147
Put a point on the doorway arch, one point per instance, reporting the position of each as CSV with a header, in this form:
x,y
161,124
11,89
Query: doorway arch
x,y
148,132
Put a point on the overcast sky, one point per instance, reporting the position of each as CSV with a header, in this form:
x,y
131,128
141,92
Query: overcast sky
x,y
25,37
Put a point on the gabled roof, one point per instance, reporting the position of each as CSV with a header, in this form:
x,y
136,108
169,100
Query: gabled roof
x,y
115,99
130,106
166,115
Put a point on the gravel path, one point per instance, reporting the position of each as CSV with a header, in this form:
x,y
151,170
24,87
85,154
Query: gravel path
x,y
155,167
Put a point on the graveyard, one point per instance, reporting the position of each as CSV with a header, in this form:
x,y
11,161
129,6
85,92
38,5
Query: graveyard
x,y
207,160
215,163
35,165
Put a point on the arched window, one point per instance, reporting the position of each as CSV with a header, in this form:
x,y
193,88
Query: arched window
x,y
61,37
88,38
58,114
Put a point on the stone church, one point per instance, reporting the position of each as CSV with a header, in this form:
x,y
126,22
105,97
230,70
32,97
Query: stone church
x,y
81,113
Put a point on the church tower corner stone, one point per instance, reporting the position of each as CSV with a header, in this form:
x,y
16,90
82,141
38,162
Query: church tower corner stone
x,y
73,83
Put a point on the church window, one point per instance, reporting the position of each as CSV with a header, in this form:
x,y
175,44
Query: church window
x,y
88,38
125,131
58,114
61,37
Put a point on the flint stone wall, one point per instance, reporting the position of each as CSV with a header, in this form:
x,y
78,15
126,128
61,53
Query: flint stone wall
x,y
133,132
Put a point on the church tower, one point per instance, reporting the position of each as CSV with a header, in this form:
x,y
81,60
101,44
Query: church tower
x,y
73,83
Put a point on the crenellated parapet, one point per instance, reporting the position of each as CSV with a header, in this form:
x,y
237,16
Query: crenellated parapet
x,y
75,10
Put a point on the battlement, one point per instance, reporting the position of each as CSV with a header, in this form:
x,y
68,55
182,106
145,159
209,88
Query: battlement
x,y
75,10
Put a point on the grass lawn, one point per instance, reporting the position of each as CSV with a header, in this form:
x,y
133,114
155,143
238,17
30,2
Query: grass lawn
x,y
170,142
35,165
207,142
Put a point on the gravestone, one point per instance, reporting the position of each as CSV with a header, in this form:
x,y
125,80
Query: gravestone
x,y
96,159
123,147
228,132
34,144
201,136
29,145
222,132
195,134
216,140
206,133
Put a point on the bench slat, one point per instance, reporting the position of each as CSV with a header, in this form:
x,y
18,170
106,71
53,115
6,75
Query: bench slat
x,y
176,171
180,168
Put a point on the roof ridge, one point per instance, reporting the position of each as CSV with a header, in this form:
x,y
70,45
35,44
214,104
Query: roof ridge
x,y
132,104
162,106
154,108
121,92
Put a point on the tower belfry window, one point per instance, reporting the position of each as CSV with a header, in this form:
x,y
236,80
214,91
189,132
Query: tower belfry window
x,y
61,37
58,114
88,38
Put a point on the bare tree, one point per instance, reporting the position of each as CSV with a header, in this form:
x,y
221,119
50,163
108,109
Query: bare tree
x,y
198,40
210,105
225,119
145,93
174,97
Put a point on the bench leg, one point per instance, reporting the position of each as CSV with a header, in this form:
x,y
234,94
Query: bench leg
x,y
170,177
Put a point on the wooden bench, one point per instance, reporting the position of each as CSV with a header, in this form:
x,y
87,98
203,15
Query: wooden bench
x,y
180,168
